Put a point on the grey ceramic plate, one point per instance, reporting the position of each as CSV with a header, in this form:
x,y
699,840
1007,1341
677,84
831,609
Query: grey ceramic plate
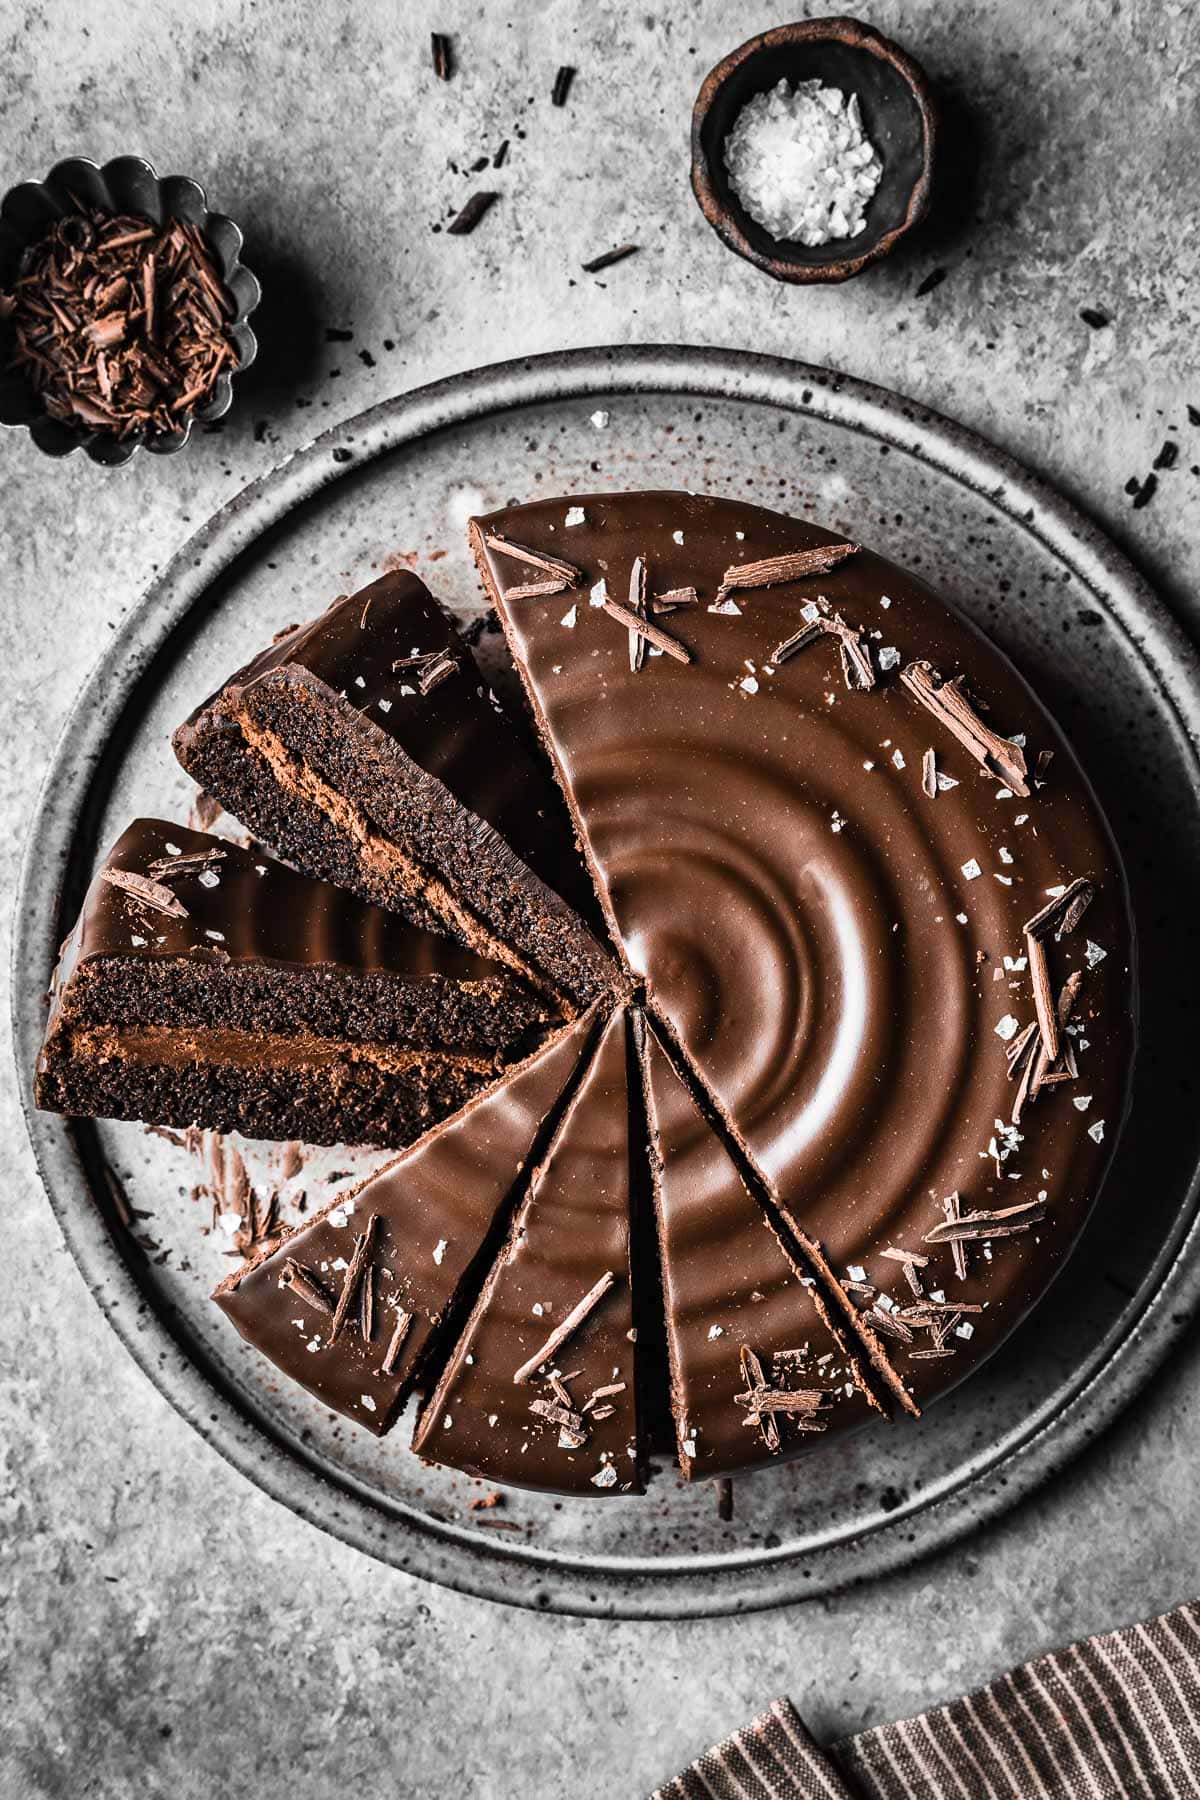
x,y
399,483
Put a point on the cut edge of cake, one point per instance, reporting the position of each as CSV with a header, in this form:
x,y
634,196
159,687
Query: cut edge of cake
x,y
382,828
205,984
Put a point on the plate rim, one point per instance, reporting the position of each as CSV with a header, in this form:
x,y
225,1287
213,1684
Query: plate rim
x,y
442,1551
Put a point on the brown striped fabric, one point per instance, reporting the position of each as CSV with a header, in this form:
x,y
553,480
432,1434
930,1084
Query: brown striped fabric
x,y
1111,1718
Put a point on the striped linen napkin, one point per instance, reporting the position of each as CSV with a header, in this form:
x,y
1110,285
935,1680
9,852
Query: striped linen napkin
x,y
1111,1718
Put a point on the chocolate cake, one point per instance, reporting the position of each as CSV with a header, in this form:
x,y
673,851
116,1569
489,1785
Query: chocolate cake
x,y
757,1364
539,1390
875,908
365,748
828,1121
349,1304
206,984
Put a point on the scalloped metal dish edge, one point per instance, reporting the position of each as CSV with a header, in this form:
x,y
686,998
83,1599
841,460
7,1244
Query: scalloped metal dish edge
x,y
442,1552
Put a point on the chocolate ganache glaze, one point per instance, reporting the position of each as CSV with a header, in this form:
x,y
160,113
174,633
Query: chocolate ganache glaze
x,y
877,912
425,1221
539,1390
759,1365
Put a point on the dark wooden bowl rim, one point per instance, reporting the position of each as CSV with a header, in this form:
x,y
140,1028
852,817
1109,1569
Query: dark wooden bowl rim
x,y
725,220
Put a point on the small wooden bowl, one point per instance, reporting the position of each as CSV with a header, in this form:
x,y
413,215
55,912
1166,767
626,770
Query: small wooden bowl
x,y
898,117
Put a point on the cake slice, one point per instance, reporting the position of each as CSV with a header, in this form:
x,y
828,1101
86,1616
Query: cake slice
x,y
350,1304
757,1364
366,749
539,1389
206,984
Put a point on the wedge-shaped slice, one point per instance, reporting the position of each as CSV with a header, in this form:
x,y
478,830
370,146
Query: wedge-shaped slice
x,y
539,1390
355,1325
366,748
206,985
757,1365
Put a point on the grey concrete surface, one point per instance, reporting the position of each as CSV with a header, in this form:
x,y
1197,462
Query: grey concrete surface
x,y
164,1628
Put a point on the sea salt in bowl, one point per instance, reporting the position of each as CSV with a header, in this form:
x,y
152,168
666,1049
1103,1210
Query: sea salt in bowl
x,y
898,120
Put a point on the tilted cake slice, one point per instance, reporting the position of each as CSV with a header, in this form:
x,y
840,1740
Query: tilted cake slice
x,y
757,1363
350,1304
205,984
366,749
539,1389
848,853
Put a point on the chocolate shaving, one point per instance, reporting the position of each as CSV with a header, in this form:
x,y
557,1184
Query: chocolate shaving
x,y
164,868
239,1196
799,640
558,1415
464,222
929,784
756,1382
857,669
607,258
1043,995
1016,1051
562,85
948,704
774,571
781,1400
564,573
673,599
642,632
366,1304
1042,1067
305,1285
906,1256
1062,913
120,324
483,1502
636,612
358,1263
149,893
724,1489
443,56
533,590
1007,1221
890,1325
952,1207
396,1343
567,1328
265,1213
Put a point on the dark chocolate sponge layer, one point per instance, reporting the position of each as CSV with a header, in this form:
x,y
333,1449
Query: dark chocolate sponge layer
x,y
365,748
205,984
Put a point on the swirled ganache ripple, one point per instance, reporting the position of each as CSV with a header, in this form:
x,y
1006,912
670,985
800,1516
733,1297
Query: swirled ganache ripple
x,y
876,908
366,748
207,984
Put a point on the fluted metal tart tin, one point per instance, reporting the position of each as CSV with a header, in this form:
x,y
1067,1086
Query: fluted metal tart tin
x,y
395,486
126,184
